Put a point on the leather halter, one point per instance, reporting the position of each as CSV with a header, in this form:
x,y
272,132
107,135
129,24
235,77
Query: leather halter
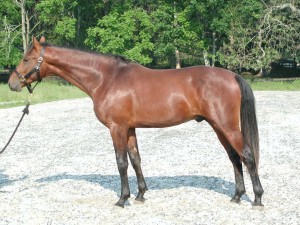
x,y
36,69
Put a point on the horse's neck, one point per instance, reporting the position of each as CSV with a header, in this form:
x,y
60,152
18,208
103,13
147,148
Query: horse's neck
x,y
82,69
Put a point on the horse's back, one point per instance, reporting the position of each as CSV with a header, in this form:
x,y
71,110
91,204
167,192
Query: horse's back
x,y
193,85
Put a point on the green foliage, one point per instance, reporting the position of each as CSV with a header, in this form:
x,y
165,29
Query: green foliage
x,y
247,33
66,28
128,34
258,34
9,34
58,20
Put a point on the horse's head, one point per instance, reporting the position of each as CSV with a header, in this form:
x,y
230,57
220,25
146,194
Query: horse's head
x,y
29,67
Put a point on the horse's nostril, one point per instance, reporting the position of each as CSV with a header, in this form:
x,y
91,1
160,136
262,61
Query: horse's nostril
x,y
14,87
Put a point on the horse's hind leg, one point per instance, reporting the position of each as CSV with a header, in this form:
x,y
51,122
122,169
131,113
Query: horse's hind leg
x,y
237,166
249,161
135,159
235,139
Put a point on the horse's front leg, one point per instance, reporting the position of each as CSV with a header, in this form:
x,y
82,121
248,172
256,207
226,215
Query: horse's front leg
x,y
119,137
135,159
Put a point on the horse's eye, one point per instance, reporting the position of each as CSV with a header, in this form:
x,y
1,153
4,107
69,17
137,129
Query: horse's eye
x,y
25,60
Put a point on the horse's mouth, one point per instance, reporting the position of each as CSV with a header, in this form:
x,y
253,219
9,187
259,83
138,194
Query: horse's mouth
x,y
16,88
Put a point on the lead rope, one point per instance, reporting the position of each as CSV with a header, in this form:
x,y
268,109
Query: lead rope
x,y
25,111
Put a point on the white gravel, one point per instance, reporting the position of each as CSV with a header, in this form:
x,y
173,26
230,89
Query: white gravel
x,y
60,169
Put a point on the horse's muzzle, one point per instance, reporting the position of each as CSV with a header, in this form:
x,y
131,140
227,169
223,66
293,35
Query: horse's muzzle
x,y
15,86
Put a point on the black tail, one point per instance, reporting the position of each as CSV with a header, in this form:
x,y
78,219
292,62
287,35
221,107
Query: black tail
x,y
248,118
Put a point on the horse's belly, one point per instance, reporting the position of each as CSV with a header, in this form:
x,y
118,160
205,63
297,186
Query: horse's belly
x,y
163,116
159,124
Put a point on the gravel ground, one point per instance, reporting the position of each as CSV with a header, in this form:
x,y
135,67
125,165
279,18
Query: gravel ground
x,y
60,169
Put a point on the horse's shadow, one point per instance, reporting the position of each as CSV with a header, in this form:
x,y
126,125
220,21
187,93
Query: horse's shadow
x,y
5,181
111,182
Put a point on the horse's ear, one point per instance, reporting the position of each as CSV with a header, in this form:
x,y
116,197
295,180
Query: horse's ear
x,y
43,39
35,42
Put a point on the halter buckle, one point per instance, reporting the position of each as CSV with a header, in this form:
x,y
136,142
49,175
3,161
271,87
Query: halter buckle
x,y
40,60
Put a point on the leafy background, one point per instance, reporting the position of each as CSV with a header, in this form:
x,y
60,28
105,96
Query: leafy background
x,y
235,34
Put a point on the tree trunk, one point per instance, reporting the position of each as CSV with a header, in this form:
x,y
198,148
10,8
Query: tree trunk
x,y
206,59
175,24
260,73
27,29
23,14
263,53
177,55
214,49
78,26
25,23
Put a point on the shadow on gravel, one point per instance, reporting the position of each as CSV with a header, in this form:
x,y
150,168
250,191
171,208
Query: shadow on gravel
x,y
112,182
5,181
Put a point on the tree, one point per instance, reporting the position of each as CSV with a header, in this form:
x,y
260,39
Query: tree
x,y
58,20
24,23
10,35
163,33
128,33
271,32
148,32
278,32
177,34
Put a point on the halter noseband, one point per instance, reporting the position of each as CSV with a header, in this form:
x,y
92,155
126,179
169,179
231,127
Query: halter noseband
x,y
37,69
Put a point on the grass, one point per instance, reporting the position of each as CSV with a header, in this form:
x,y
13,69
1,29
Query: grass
x,y
52,91
44,92
273,85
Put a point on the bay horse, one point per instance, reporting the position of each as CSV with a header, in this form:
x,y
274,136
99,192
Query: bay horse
x,y
127,96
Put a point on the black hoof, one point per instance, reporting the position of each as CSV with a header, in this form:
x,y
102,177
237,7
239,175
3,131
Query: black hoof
x,y
119,204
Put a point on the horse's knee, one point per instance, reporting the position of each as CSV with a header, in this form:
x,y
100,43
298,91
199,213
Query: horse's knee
x,y
122,160
122,165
